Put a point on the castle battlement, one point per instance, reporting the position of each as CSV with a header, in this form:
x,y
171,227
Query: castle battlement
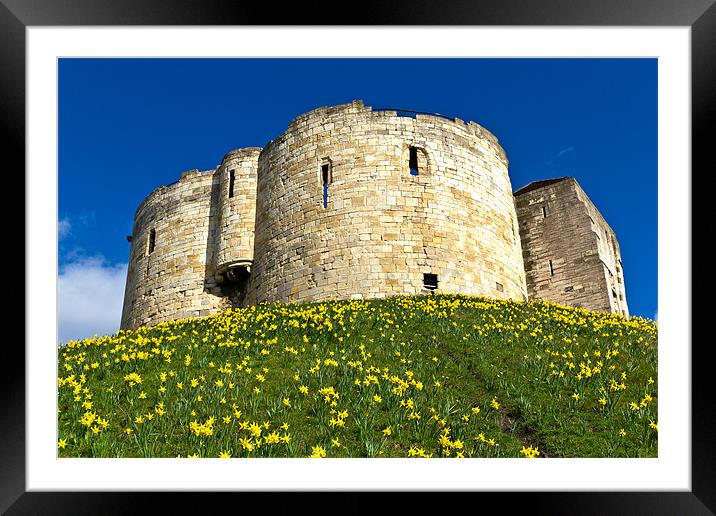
x,y
354,202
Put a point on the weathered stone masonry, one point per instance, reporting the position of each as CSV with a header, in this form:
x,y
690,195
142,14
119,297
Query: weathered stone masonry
x,y
354,203
383,228
571,255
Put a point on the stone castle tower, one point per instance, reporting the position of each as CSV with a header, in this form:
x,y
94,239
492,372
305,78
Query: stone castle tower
x,y
351,203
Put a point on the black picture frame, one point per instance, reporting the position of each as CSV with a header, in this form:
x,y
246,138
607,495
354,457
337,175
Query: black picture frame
x,y
17,15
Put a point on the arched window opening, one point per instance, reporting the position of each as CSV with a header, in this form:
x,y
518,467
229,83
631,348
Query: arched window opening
x,y
413,161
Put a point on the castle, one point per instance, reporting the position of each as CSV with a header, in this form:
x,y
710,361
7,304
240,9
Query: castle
x,y
352,202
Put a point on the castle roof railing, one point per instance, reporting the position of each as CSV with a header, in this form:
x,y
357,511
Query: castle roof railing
x,y
411,113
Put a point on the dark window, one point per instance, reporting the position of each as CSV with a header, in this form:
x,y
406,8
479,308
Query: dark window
x,y
413,161
231,183
499,286
551,269
326,180
430,281
152,241
544,212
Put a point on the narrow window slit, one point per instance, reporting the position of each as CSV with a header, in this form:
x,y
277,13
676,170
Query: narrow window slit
x,y
544,212
231,183
152,241
551,269
326,179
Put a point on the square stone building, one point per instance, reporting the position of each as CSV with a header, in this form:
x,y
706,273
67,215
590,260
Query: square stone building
x,y
571,255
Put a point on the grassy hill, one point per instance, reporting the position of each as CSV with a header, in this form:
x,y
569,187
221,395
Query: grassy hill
x,y
422,376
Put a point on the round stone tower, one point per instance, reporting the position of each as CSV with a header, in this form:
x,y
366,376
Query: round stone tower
x,y
356,203
192,244
170,273
234,241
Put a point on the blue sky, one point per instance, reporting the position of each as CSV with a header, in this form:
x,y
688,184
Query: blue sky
x,y
127,126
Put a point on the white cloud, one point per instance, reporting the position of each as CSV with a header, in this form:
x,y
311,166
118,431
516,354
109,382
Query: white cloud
x,y
63,228
568,150
90,296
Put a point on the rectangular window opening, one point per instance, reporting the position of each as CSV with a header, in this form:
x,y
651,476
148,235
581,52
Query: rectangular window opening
x,y
551,268
430,281
544,212
325,179
231,183
499,286
413,161
152,241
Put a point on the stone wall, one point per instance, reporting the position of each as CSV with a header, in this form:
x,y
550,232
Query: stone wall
x,y
382,228
609,254
173,277
354,203
571,255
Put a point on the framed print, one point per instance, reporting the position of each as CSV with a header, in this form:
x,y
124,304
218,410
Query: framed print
x,y
41,43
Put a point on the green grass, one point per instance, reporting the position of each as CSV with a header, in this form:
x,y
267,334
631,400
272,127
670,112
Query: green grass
x,y
429,376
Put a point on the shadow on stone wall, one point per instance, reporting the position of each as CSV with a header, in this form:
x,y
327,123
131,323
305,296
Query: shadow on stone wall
x,y
210,284
234,286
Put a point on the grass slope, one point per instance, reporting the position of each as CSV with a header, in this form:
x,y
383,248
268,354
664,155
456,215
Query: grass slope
x,y
421,376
